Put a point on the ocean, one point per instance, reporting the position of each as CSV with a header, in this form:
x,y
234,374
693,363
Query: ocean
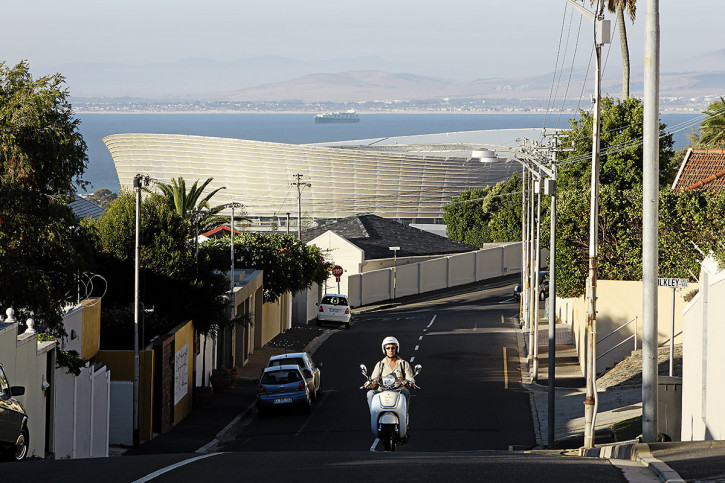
x,y
300,129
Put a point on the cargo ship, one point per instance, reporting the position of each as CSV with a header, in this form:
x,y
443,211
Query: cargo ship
x,y
330,117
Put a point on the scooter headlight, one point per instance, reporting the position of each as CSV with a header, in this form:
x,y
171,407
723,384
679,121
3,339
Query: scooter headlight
x,y
389,380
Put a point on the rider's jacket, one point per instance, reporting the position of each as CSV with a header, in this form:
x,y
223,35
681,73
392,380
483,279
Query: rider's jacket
x,y
402,370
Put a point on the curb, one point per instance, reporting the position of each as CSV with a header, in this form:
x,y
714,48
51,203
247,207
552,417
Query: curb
x,y
634,451
210,447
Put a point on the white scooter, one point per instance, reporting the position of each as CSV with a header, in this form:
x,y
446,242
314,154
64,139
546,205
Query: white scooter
x,y
389,409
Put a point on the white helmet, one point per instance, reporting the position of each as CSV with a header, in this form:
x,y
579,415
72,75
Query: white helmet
x,y
391,340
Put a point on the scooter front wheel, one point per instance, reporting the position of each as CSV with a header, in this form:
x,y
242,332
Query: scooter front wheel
x,y
388,439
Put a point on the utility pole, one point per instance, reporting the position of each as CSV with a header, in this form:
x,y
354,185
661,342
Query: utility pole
x,y
299,185
601,37
524,256
650,220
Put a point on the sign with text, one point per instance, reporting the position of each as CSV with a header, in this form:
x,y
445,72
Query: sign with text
x,y
672,282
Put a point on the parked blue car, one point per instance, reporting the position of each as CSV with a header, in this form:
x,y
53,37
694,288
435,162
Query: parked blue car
x,y
283,387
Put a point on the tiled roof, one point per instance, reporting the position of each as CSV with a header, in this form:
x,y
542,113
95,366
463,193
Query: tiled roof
x,y
701,169
219,232
375,235
84,208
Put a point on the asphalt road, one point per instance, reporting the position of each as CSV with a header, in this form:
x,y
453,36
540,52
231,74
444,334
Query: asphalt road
x,y
470,411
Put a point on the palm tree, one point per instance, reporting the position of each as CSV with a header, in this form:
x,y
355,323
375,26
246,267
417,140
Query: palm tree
x,y
186,203
618,7
712,129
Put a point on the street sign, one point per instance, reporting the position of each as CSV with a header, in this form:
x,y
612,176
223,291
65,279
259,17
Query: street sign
x,y
337,271
672,282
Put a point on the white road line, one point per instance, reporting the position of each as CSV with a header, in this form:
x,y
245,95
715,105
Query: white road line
x,y
433,320
160,472
416,348
420,338
375,443
314,410
412,359
505,370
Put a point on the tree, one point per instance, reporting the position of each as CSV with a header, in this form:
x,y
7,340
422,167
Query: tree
x,y
102,197
488,215
619,7
712,129
170,280
42,159
289,264
621,148
184,202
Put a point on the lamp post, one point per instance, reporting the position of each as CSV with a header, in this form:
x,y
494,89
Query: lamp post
x,y
138,180
395,259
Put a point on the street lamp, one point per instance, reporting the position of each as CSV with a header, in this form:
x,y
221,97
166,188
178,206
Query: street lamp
x,y
138,180
395,259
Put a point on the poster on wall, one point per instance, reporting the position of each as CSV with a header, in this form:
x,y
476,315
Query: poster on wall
x,y
181,374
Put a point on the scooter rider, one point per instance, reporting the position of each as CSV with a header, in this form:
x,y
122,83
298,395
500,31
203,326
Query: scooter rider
x,y
391,363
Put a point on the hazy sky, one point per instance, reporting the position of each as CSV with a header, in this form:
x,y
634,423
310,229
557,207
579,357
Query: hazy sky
x,y
463,39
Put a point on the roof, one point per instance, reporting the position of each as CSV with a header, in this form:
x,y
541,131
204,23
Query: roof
x,y
701,168
343,181
375,235
84,208
219,232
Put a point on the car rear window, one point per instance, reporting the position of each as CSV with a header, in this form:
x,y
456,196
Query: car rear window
x,y
284,362
334,300
281,377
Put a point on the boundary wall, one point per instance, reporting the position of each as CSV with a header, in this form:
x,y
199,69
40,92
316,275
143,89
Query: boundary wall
x,y
703,378
448,271
618,302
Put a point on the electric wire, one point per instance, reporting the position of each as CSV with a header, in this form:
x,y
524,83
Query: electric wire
x,y
556,66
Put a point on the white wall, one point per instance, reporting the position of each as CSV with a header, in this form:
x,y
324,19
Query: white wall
x,y
703,378
341,252
377,285
618,302
121,413
25,361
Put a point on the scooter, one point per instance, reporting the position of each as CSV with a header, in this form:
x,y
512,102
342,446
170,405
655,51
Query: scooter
x,y
389,419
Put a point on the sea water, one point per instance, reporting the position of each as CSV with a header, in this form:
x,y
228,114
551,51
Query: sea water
x,y
300,129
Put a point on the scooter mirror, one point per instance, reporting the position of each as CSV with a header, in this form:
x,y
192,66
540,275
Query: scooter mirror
x,y
364,370
418,368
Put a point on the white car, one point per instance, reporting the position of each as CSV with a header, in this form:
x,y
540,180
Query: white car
x,y
303,360
334,308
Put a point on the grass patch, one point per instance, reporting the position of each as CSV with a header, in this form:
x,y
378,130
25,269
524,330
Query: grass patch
x,y
628,429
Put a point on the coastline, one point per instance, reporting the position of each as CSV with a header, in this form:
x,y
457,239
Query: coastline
x,y
392,111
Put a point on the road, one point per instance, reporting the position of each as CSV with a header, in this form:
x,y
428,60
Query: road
x,y
470,410
464,403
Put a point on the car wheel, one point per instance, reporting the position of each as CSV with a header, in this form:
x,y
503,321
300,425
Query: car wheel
x,y
20,449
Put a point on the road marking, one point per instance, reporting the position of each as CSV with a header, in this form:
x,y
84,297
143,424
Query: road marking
x,y
375,443
420,338
505,370
315,407
502,319
412,359
416,348
433,320
160,472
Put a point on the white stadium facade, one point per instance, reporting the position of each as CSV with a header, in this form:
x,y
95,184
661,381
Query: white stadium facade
x,y
409,179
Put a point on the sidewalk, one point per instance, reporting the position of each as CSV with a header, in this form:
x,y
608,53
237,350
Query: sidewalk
x,y
206,427
672,462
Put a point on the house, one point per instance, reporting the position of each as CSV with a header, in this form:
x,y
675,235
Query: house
x,y
362,243
701,168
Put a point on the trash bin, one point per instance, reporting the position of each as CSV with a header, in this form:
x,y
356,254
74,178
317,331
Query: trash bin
x,y
669,407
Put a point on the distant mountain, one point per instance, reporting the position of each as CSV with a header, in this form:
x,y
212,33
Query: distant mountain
x,y
194,77
358,79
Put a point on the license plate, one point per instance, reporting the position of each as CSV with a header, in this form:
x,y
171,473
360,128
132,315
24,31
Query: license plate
x,y
334,311
283,400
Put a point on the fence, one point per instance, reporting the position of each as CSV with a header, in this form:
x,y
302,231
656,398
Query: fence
x,y
450,271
